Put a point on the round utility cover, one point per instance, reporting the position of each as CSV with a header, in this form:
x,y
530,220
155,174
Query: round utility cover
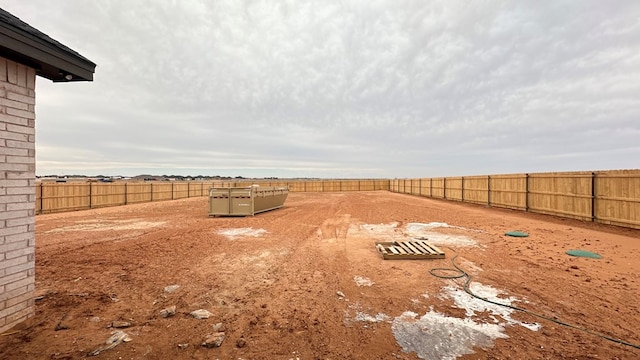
x,y
516,234
584,253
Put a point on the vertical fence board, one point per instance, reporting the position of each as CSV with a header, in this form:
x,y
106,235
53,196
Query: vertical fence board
x,y
350,185
38,198
138,192
180,190
314,186
437,188
296,186
415,186
617,200
476,189
162,191
367,185
566,195
508,191
453,188
331,186
425,187
57,197
107,194
195,189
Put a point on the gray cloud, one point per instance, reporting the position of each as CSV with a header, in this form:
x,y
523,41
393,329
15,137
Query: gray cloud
x,y
341,88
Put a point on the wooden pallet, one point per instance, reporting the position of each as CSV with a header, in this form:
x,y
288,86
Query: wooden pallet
x,y
409,250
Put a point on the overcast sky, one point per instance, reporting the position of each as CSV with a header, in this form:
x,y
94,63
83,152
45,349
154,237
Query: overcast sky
x,y
340,88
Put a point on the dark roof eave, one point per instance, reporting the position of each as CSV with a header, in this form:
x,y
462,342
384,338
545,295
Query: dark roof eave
x,y
50,61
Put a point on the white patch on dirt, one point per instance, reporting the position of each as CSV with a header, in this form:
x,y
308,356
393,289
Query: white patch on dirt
x,y
233,234
431,225
362,281
361,316
474,306
379,317
435,225
379,232
391,232
418,230
437,336
447,240
379,228
109,225
418,300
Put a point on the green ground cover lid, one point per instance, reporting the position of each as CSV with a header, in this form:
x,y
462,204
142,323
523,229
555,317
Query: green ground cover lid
x,y
516,234
584,253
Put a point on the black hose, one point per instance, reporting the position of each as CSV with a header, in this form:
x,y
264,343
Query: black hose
x,y
459,273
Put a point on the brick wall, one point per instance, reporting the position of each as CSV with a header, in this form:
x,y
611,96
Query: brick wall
x,y
17,193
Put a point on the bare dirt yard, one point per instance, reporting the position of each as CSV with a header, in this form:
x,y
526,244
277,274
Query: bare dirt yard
x,y
306,282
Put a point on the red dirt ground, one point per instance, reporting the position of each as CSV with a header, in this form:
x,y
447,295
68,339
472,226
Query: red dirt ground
x,y
278,291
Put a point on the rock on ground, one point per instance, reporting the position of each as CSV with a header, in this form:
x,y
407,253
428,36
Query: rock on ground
x,y
168,312
214,340
201,314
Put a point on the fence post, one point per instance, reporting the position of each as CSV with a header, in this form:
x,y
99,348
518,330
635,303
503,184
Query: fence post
x,y
125,193
420,186
151,192
593,196
188,189
489,190
40,187
172,190
444,188
462,191
430,187
90,194
526,192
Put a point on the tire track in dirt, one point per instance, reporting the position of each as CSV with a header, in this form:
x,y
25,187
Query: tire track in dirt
x,y
306,303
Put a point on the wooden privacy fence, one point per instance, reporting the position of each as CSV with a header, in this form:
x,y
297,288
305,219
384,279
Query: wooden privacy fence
x,y
59,197
608,197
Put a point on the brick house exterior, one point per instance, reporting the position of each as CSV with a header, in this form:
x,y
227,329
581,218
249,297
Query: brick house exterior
x,y
24,54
